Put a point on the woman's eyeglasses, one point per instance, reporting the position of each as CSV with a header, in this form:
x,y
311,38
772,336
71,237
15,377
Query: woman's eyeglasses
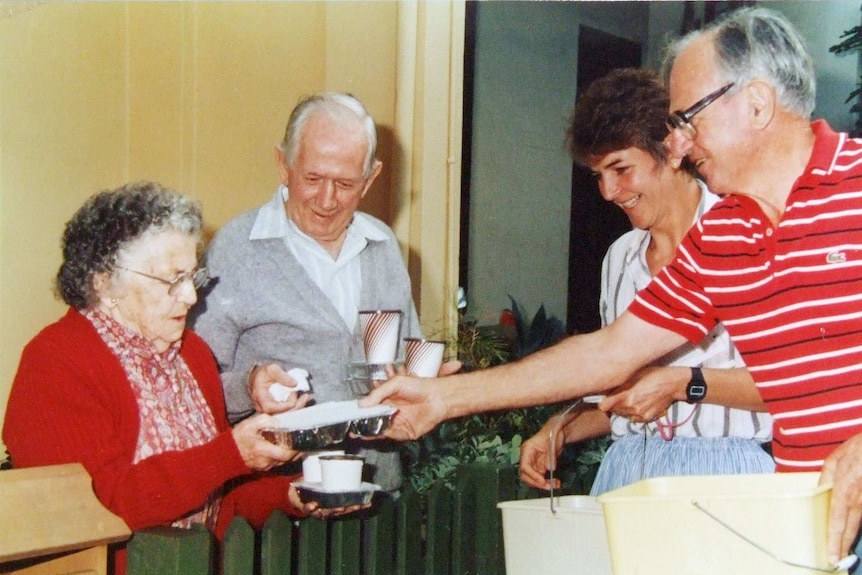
x,y
681,119
198,277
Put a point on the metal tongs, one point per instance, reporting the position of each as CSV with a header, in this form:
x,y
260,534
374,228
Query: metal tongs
x,y
551,457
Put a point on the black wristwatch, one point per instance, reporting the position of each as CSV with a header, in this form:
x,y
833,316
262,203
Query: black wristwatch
x,y
695,391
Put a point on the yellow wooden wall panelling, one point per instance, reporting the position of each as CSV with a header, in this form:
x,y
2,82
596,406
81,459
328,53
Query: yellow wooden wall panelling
x,y
196,95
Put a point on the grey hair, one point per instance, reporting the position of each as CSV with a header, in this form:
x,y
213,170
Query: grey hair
x,y
344,107
109,222
759,43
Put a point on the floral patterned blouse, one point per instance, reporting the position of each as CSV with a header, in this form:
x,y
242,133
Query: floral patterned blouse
x,y
173,412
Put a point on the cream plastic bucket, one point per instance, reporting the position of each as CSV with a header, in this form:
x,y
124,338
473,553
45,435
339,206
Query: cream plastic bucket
x,y
570,541
718,525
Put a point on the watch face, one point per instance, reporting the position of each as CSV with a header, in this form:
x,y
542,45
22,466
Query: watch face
x,y
696,389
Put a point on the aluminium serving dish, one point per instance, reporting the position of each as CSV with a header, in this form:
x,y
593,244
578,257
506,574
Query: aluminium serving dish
x,y
312,491
319,426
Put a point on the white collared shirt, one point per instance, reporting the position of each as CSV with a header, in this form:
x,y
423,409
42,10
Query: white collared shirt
x,y
341,278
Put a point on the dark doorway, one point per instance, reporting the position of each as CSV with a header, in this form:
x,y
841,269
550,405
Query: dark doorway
x,y
594,223
467,139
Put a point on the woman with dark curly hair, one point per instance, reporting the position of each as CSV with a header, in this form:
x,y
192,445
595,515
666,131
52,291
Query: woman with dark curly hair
x,y
662,420
121,386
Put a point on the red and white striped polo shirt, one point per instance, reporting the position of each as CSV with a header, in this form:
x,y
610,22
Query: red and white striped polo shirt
x,y
789,295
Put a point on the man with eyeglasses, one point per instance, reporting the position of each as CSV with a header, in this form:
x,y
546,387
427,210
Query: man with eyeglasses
x,y
782,252
778,261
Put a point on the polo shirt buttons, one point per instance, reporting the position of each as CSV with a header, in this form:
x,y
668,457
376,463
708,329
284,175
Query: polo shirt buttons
x,y
768,232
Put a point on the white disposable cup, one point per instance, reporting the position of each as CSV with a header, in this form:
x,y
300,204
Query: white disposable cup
x,y
380,330
423,356
311,465
341,472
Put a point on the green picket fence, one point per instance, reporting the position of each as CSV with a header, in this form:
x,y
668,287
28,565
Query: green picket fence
x,y
443,532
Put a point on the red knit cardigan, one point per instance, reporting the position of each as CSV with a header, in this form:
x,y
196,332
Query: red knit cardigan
x,y
71,401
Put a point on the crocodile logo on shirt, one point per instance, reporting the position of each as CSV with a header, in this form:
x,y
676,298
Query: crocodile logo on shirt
x,y
836,258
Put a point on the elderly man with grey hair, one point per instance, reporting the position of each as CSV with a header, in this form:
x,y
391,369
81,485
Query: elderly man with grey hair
x,y
778,261
291,275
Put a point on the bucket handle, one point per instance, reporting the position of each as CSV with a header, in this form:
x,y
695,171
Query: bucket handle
x,y
553,432
842,565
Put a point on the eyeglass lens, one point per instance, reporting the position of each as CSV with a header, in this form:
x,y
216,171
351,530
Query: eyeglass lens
x,y
198,278
682,119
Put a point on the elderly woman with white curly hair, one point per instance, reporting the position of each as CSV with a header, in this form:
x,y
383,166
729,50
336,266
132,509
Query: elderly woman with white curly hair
x,y
121,386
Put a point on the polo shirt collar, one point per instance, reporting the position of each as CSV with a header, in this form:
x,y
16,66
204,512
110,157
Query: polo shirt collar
x,y
827,144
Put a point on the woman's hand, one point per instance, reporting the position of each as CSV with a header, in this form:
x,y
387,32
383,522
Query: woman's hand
x,y
258,453
648,394
314,510
534,464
